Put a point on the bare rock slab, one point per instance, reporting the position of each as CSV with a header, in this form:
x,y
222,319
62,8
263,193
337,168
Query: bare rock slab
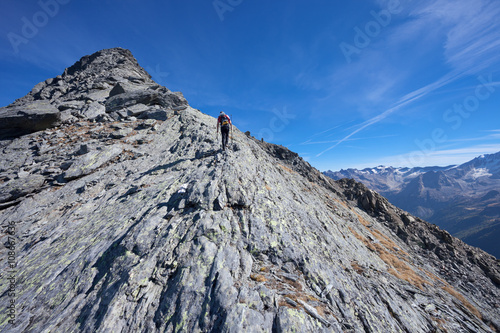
x,y
90,162
31,117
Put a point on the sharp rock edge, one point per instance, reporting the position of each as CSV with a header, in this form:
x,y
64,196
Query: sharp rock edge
x,y
128,218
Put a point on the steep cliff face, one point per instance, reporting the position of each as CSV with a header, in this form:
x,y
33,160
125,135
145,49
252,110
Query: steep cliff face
x,y
136,222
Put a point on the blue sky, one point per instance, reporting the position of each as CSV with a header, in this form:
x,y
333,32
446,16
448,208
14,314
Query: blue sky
x,y
358,84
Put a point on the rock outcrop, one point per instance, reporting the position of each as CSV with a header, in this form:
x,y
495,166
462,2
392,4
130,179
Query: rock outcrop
x,y
27,118
141,224
108,85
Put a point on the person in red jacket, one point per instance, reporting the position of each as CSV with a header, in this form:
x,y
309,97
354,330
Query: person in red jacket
x,y
225,126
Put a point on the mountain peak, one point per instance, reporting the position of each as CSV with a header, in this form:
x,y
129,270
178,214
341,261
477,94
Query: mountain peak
x,y
108,85
95,73
108,62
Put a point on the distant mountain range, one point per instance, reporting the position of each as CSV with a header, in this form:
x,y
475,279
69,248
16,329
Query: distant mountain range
x,y
463,199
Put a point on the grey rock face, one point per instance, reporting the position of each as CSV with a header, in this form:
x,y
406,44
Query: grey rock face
x,y
20,187
145,97
93,110
27,118
89,162
159,231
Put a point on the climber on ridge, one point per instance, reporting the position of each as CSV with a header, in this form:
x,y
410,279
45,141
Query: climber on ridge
x,y
225,126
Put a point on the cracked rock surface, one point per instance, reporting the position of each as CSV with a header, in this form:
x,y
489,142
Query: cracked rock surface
x,y
141,224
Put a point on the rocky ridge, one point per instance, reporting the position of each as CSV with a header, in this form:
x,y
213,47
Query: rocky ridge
x,y
461,199
136,222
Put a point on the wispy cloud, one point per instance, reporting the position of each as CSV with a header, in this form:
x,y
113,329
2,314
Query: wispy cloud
x,y
472,30
472,45
442,157
494,135
457,156
311,142
405,100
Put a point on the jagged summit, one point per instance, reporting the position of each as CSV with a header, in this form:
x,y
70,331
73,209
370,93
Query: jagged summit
x,y
91,74
141,224
115,61
105,86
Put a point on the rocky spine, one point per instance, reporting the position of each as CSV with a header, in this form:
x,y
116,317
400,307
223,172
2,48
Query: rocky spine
x,y
126,218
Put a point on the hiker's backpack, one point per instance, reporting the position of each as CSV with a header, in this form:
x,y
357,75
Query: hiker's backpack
x,y
224,120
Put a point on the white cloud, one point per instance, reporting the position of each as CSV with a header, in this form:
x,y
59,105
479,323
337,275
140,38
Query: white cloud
x,y
472,30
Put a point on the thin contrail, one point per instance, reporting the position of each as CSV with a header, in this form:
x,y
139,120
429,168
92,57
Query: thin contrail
x,y
408,98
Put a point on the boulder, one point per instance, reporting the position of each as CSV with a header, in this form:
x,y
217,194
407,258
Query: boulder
x,y
164,98
17,120
121,133
117,90
20,187
94,110
137,109
71,105
156,114
128,99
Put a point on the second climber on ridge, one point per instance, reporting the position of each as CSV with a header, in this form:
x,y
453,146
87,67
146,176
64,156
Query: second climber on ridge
x,y
225,126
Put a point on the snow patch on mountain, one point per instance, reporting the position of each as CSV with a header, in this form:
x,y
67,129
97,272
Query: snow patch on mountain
x,y
478,173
